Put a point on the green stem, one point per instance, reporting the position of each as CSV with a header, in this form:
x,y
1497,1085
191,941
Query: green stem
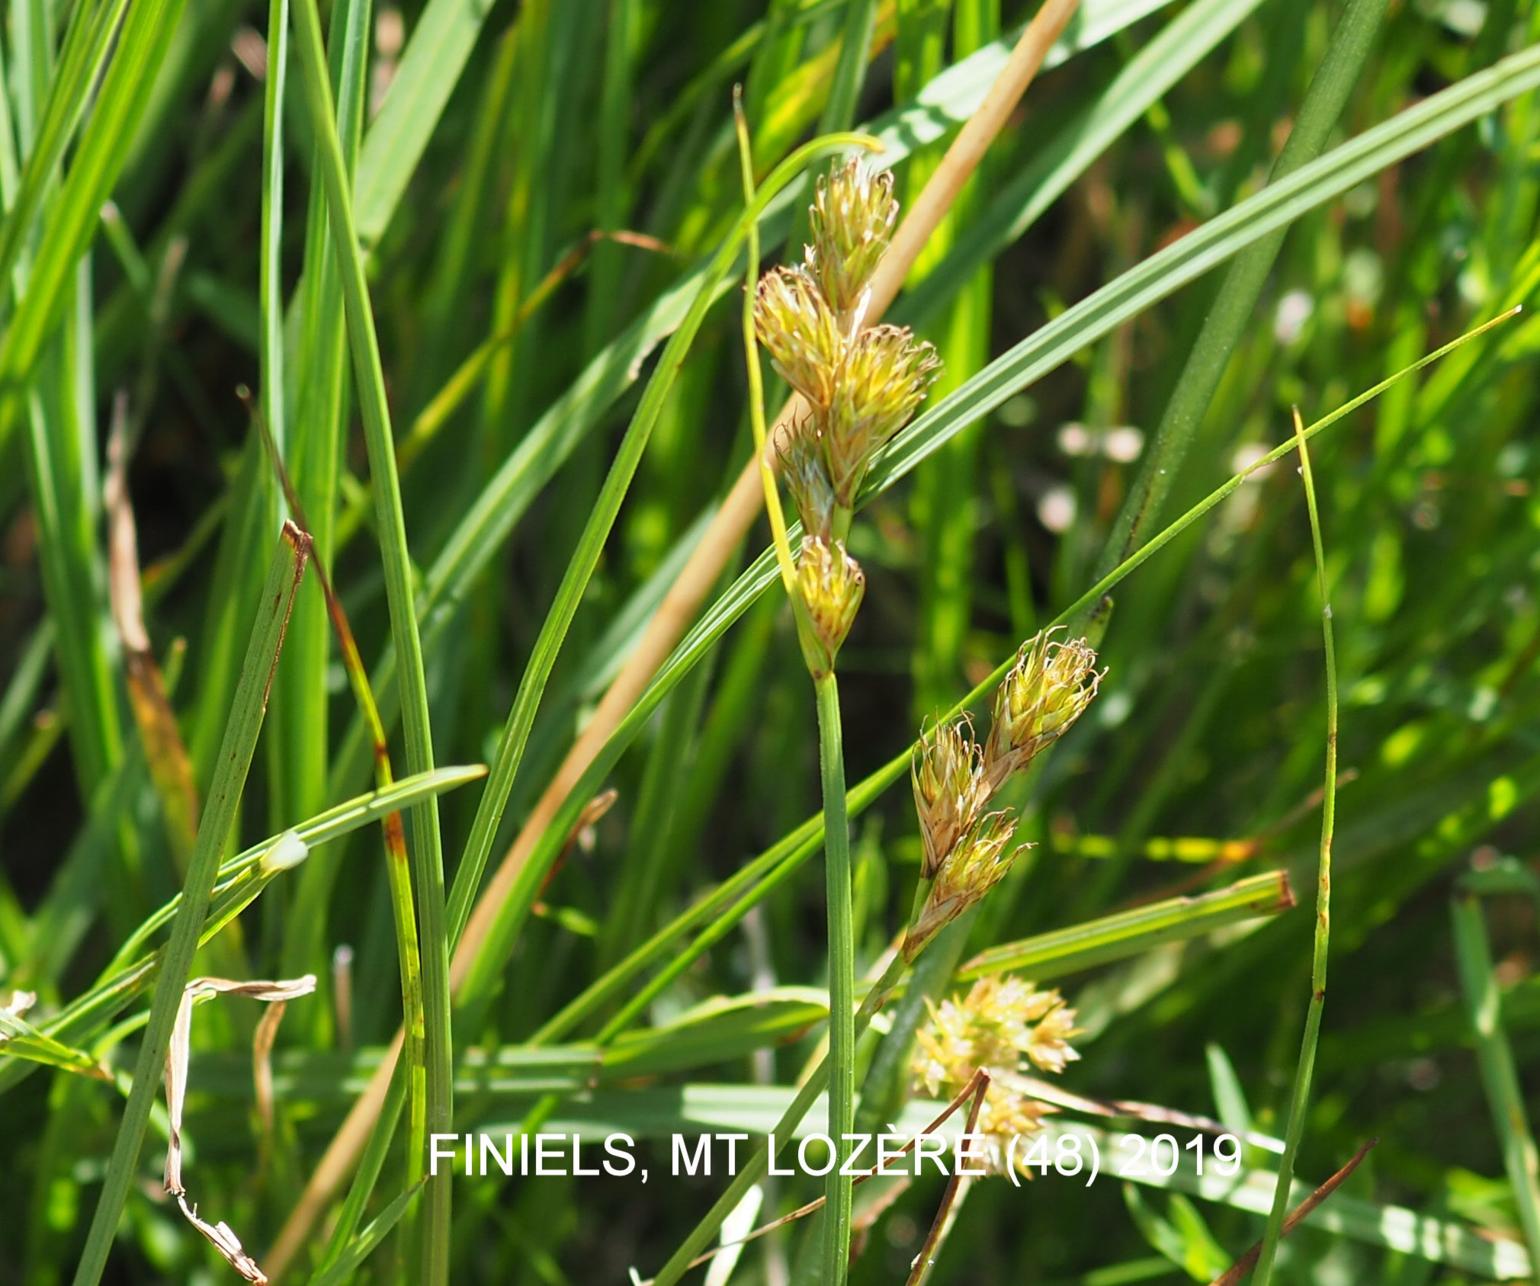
x,y
1494,1056
842,976
236,750
1300,1098
379,438
756,1167
1234,306
1233,311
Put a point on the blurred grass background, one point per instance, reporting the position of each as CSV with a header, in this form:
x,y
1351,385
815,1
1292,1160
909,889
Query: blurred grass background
x,y
529,184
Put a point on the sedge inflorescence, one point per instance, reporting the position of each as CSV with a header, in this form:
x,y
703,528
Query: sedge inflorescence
x,y
861,386
968,849
1005,1026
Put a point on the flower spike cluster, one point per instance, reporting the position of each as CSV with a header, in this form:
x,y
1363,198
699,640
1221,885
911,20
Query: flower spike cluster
x,y
967,850
852,220
801,332
1005,1026
862,385
1047,689
832,585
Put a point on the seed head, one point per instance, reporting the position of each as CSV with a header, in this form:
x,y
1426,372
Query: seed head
x,y
947,772
852,219
803,471
1004,1025
1053,1023
800,332
831,584
884,377
1047,689
978,861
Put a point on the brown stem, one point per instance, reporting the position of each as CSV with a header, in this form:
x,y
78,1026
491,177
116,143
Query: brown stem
x,y
920,1269
1248,1261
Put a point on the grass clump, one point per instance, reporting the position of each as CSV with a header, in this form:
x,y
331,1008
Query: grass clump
x,y
1053,277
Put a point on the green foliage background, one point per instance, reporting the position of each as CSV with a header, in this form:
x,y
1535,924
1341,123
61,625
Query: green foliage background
x,y
167,240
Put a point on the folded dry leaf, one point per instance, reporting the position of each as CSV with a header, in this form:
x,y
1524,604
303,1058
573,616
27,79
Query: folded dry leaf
x,y
278,993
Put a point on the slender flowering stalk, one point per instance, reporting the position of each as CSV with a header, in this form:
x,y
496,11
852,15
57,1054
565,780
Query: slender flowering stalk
x,y
840,916
862,386
1299,1098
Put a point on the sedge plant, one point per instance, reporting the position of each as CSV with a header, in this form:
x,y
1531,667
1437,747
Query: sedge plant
x,y
522,218
861,385
1046,689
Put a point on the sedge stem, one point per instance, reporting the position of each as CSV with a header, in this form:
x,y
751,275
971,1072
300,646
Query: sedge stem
x,y
1299,1100
755,1169
842,970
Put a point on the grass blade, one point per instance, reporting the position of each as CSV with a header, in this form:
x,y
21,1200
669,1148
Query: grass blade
x,y
219,813
1300,1098
1494,1057
1115,937
1236,300
1164,272
73,216
427,854
443,38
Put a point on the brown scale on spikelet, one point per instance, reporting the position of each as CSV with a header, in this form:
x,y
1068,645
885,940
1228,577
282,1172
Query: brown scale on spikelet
x,y
947,773
802,469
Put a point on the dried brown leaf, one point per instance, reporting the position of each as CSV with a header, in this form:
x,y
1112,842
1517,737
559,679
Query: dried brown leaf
x,y
277,993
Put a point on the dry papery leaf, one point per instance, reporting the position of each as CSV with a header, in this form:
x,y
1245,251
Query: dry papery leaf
x,y
18,1004
277,993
